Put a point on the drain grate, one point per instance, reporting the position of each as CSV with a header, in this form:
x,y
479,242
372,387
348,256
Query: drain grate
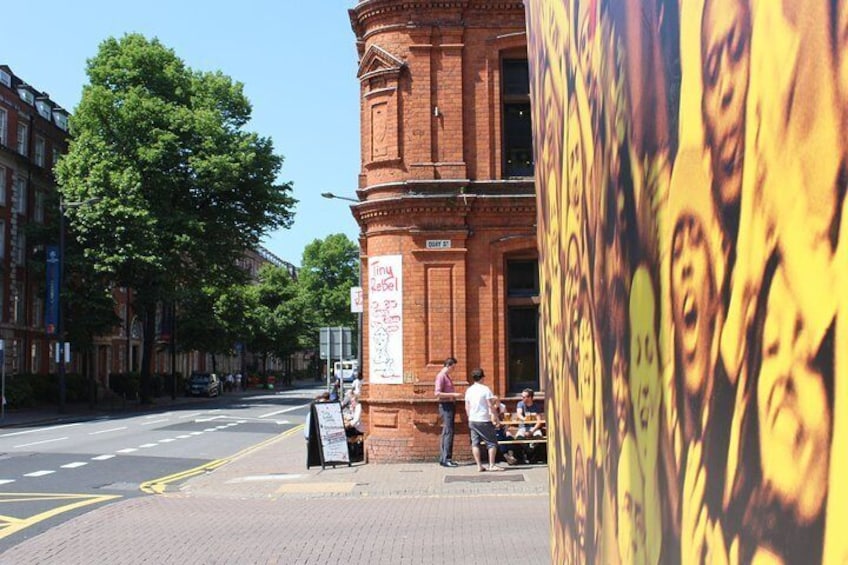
x,y
485,478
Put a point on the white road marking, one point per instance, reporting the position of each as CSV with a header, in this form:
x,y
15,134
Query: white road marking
x,y
103,457
50,429
107,431
210,419
41,442
127,450
167,440
184,436
146,445
6,481
155,422
74,465
39,473
210,429
269,414
196,433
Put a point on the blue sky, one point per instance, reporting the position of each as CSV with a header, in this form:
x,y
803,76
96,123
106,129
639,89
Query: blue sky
x,y
296,58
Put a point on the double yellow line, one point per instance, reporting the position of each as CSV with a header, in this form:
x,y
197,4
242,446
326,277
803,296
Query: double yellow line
x,y
158,486
11,525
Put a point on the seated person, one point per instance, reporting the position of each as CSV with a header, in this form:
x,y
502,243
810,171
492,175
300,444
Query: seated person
x,y
529,412
353,418
503,434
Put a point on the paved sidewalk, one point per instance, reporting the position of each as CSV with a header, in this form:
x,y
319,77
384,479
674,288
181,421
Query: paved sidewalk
x,y
265,507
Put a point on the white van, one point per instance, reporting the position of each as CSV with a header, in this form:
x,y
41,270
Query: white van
x,y
346,370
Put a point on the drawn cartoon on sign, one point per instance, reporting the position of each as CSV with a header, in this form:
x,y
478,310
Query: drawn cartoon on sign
x,y
385,314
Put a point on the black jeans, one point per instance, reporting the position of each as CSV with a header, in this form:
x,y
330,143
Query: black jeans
x,y
447,410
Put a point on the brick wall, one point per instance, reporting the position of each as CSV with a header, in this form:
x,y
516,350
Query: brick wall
x,y
431,170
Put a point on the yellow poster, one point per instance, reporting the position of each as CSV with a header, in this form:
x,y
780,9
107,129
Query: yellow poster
x,y
691,171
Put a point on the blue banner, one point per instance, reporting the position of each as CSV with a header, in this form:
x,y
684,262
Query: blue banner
x,y
51,310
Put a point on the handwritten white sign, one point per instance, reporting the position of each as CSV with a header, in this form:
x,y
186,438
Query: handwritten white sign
x,y
356,299
332,432
385,315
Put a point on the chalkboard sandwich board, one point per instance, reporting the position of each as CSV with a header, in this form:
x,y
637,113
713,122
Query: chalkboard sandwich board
x,y
327,438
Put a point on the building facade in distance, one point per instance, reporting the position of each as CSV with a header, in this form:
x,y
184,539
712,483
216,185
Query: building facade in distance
x,y
33,134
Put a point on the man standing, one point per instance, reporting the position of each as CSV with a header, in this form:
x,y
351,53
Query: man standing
x,y
447,395
482,409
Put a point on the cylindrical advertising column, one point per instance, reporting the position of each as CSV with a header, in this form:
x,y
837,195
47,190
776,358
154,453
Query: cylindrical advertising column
x,y
691,172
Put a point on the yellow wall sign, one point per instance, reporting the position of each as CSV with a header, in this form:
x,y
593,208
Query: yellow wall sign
x,y
691,170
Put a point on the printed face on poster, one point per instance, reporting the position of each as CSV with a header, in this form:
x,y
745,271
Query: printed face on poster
x,y
385,315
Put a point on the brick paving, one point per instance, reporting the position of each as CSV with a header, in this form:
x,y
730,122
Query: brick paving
x,y
265,507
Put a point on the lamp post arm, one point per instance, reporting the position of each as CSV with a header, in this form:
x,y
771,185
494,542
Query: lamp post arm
x,y
332,196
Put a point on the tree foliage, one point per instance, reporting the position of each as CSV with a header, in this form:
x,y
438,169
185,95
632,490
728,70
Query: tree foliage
x,y
182,189
86,295
330,267
280,317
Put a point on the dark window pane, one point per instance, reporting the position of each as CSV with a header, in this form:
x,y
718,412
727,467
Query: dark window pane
x,y
522,278
522,324
517,127
518,140
523,348
516,77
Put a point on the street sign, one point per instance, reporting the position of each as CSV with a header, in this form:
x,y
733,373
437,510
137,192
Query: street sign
x,y
335,343
51,310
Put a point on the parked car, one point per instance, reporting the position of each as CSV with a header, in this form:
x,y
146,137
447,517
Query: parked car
x,y
203,384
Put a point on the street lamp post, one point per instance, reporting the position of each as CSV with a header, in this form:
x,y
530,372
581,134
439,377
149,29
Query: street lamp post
x,y
330,195
360,361
60,319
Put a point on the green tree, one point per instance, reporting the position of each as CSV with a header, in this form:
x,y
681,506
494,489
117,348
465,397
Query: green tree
x,y
329,268
211,319
183,189
279,316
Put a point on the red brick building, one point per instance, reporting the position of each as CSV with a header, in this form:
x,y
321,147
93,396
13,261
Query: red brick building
x,y
33,133
446,190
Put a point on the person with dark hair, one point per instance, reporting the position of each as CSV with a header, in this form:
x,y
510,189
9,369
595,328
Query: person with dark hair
x,y
481,406
529,412
447,396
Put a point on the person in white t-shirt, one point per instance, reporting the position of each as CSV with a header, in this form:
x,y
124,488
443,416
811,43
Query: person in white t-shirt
x,y
481,406
357,384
